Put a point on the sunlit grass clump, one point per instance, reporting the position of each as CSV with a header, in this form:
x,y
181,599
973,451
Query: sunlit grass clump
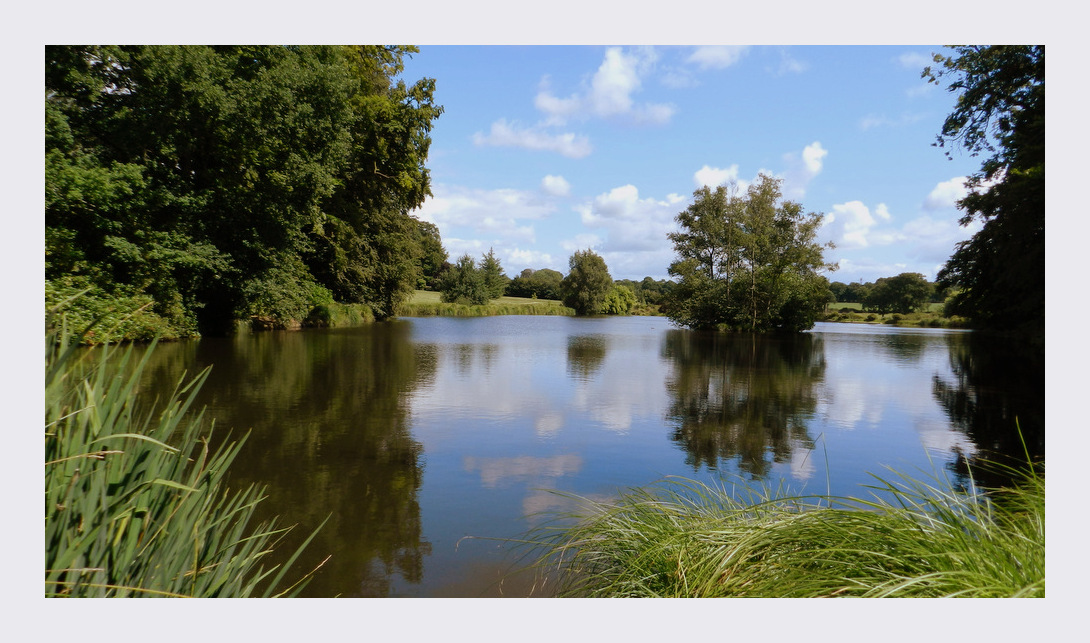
x,y
687,539
135,499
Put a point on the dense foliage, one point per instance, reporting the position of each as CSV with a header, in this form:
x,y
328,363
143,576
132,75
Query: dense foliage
x,y
587,284
218,183
539,284
747,262
463,283
905,293
1000,110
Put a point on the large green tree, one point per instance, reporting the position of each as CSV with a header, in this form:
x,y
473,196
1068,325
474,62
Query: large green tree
x,y
905,293
234,181
587,283
747,262
1000,112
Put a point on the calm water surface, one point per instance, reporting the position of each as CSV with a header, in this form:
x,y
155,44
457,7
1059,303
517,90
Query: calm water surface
x,y
429,441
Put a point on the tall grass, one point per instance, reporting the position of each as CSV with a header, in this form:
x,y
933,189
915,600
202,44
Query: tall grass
x,y
135,500
912,539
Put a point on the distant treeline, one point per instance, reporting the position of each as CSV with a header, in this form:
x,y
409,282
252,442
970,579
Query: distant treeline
x,y
545,284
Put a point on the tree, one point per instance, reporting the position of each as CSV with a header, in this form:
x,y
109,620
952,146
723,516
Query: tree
x,y
235,181
495,282
1000,110
905,293
747,262
587,283
619,301
541,284
433,257
464,283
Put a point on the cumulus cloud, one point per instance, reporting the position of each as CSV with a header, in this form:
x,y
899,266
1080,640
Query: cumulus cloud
x,y
504,134
609,93
850,225
633,240
716,176
803,168
717,57
555,185
946,194
500,215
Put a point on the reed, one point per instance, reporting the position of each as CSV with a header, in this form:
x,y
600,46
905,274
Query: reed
x,y
913,538
135,499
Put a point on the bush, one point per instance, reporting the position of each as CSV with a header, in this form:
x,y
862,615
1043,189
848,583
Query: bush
x,y
116,316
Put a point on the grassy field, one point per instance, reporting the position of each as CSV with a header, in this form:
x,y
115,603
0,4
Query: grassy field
x,y
425,303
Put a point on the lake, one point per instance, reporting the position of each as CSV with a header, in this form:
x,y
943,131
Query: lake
x,y
430,443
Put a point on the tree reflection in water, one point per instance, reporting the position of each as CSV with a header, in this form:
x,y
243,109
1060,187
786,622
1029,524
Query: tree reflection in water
x,y
998,388
330,437
742,396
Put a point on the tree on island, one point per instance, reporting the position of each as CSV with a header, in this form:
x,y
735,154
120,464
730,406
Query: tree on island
x,y
747,262
587,283
1000,110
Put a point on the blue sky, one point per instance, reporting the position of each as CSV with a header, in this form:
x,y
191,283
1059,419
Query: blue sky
x,y
545,150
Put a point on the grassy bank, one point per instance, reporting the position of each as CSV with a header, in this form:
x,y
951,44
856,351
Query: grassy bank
x,y
930,318
425,303
135,500
685,539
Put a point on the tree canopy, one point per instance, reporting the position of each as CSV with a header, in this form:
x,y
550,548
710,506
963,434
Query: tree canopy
x,y
226,182
587,284
905,293
1000,111
747,262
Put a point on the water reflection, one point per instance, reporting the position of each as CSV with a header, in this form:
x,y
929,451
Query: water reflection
x,y
585,355
994,387
742,397
331,437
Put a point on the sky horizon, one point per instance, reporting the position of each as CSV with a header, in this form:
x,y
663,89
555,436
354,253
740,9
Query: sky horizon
x,y
545,150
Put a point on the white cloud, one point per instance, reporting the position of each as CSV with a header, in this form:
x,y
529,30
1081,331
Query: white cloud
x,y
517,259
555,185
789,65
946,194
715,176
581,241
634,240
849,225
504,134
718,56
500,217
915,60
871,121
610,92
803,168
